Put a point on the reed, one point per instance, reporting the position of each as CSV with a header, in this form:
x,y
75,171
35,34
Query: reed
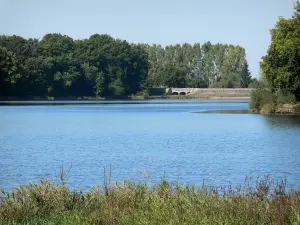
x,y
260,201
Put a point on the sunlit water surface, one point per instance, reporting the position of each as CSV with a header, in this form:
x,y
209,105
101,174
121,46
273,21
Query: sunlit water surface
x,y
146,140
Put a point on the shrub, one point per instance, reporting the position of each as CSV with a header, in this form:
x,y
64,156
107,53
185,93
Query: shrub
x,y
116,89
285,97
50,98
144,94
257,84
261,97
268,108
296,108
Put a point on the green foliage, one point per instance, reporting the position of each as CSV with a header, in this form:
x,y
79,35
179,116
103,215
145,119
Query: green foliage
x,y
296,109
254,83
143,94
8,66
201,66
268,108
261,97
280,68
264,202
284,97
245,77
56,45
173,76
116,88
281,65
264,101
21,48
59,66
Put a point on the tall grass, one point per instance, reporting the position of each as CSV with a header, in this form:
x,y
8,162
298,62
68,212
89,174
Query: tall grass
x,y
265,202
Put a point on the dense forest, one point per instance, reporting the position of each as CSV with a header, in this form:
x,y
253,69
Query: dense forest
x,y
59,66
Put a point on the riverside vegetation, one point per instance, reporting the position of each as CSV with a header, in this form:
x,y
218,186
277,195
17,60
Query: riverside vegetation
x,y
265,202
278,91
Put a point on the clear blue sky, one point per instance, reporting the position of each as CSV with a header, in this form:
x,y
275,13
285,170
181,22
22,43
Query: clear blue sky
x,y
238,22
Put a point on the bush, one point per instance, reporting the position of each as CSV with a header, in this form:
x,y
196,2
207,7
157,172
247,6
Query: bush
x,y
116,89
296,108
50,98
261,97
268,108
144,94
265,102
257,83
285,97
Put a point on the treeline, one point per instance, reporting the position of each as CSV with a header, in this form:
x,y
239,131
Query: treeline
x,y
59,66
222,66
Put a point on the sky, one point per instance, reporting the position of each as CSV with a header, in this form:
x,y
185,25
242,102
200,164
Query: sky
x,y
238,22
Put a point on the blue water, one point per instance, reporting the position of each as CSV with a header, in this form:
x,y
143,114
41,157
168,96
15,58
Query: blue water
x,y
145,140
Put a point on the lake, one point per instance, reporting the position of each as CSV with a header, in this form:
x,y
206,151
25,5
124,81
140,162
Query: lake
x,y
145,140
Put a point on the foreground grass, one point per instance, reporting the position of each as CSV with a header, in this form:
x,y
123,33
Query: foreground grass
x,y
266,202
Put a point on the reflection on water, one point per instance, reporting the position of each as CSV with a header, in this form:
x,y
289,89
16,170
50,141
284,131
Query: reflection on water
x,y
233,111
282,121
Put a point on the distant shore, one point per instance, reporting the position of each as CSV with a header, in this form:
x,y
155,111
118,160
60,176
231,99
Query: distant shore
x,y
206,96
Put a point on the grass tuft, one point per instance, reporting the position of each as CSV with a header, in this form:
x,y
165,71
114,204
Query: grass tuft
x,y
264,202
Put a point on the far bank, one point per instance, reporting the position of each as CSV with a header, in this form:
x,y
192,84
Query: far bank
x,y
154,93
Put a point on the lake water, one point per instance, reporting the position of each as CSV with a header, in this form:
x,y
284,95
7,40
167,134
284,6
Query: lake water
x,y
145,140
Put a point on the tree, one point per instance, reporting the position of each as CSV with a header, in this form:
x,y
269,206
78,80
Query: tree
x,y
234,68
55,45
174,76
281,65
245,76
20,47
8,68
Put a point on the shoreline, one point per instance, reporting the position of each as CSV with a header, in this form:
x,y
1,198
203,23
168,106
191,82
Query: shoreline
x,y
125,98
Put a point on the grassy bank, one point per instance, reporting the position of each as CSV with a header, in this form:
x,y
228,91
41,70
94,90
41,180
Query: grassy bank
x,y
267,202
